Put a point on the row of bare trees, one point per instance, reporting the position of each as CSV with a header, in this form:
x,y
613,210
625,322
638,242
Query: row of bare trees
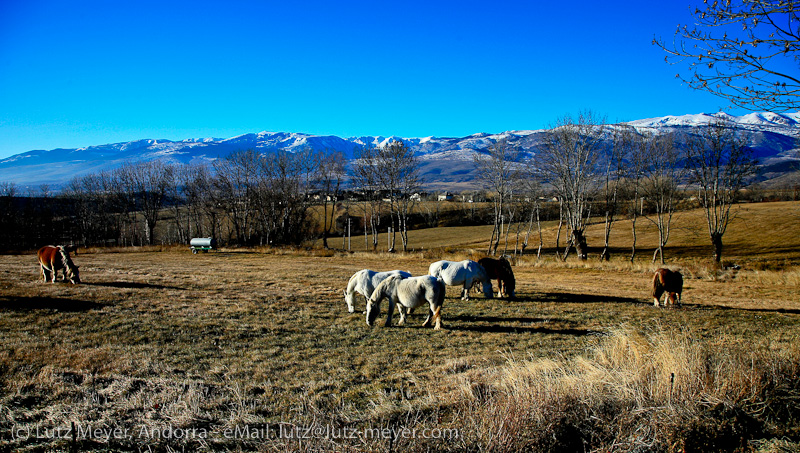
x,y
593,170
588,165
246,198
387,176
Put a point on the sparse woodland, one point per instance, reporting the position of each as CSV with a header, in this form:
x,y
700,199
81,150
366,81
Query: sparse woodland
x,y
294,199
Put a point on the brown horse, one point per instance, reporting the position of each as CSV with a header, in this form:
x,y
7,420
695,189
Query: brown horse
x,y
54,258
501,270
670,282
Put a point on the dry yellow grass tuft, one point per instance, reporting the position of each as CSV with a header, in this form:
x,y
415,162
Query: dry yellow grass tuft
x,y
662,390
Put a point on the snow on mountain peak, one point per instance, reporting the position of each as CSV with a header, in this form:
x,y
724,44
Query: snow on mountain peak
x,y
447,160
756,119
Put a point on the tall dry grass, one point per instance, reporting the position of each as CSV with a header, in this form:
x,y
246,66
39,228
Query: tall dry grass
x,y
657,390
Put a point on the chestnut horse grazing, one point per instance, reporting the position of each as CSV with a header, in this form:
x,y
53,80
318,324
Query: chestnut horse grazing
x,y
670,282
54,258
501,270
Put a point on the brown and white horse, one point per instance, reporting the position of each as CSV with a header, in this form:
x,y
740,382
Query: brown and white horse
x,y
55,258
501,270
670,282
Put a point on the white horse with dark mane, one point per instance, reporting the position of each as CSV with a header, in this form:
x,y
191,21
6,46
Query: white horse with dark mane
x,y
408,294
364,283
466,273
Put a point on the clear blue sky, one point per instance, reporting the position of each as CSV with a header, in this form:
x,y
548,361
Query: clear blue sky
x,y
80,73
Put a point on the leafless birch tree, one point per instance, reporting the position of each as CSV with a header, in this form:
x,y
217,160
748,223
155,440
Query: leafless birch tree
x,y
499,171
568,163
720,166
329,178
660,186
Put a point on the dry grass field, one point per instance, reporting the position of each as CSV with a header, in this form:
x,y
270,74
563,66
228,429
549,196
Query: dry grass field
x,y
254,350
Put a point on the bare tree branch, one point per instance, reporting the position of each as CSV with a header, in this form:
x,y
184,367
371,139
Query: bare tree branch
x,y
745,51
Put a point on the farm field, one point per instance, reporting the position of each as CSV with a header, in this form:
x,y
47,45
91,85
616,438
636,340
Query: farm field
x,y
254,350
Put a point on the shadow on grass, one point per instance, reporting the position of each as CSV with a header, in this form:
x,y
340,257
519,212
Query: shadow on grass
x,y
790,311
573,298
471,318
516,329
130,285
47,303
471,323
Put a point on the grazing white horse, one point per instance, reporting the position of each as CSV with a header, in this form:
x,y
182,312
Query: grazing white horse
x,y
407,294
464,273
364,282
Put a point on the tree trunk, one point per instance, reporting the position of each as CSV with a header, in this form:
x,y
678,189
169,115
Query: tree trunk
x,y
633,230
716,240
491,241
558,233
581,249
659,253
605,255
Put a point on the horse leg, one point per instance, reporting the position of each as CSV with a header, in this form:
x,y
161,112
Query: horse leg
x,y
438,318
657,296
465,292
391,310
44,273
428,319
402,310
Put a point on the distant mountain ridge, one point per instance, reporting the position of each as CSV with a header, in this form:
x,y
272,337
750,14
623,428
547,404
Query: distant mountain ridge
x,y
445,162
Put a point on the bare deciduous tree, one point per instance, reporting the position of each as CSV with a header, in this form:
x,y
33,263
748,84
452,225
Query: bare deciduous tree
x,y
533,190
283,196
330,176
499,172
616,160
745,51
720,164
660,185
147,183
365,178
637,161
568,163
397,174
235,186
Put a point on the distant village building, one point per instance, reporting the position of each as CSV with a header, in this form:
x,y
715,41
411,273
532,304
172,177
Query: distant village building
x,y
447,196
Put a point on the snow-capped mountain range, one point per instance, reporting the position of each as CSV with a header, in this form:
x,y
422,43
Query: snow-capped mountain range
x,y
444,162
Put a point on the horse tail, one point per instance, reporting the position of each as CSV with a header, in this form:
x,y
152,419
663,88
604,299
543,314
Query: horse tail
x,y
659,282
441,291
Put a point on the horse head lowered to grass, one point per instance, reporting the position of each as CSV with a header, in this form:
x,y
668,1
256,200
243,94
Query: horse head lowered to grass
x,y
501,270
465,273
55,258
670,282
364,282
407,294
